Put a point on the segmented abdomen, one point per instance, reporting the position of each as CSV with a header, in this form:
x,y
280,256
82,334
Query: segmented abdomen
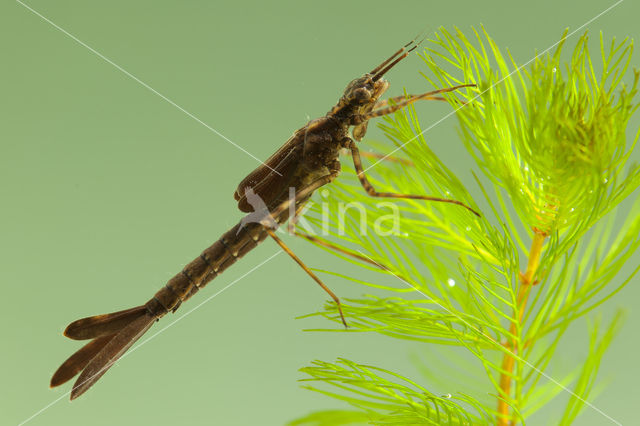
x,y
233,244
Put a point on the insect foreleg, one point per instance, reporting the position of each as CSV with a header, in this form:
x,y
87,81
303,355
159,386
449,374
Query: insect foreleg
x,y
392,158
383,108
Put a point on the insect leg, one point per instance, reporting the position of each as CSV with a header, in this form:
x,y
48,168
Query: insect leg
x,y
292,230
377,156
275,213
308,271
383,107
291,227
357,162
404,98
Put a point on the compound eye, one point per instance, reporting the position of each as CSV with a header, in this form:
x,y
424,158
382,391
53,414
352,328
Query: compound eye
x,y
362,94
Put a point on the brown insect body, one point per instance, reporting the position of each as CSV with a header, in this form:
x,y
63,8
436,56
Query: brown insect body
x,y
313,150
307,161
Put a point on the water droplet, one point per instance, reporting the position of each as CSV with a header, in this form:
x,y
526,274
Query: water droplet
x,y
448,396
605,180
405,234
468,228
554,69
572,209
448,193
526,168
451,282
324,193
591,191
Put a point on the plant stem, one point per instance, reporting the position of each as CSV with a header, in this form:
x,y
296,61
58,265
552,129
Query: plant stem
x,y
508,362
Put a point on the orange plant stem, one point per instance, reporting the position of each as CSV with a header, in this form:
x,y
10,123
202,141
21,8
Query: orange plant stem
x,y
508,362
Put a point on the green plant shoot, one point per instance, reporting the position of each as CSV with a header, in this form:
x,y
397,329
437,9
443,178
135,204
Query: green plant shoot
x,y
552,151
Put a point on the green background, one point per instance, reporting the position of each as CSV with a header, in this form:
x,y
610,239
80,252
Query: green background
x,y
107,190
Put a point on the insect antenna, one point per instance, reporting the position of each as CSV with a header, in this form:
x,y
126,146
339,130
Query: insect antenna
x,y
404,51
397,52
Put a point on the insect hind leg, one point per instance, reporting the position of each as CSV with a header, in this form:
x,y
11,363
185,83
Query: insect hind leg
x,y
309,272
